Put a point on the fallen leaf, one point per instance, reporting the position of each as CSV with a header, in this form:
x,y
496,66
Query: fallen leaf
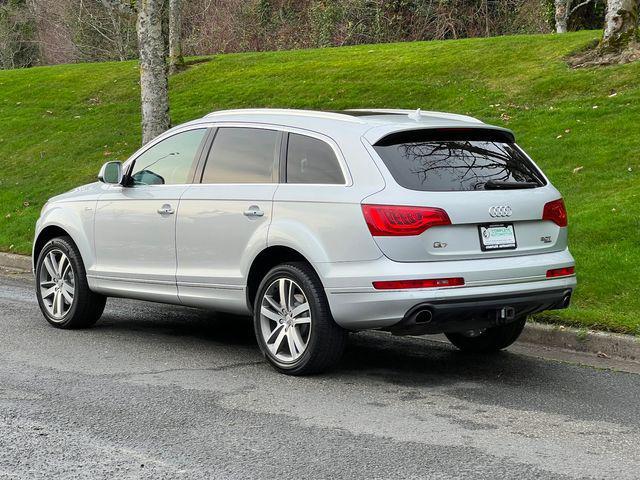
x,y
577,169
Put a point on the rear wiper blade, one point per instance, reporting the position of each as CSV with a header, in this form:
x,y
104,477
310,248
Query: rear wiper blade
x,y
501,185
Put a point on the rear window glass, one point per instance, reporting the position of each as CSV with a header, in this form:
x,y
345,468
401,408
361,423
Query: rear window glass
x,y
456,160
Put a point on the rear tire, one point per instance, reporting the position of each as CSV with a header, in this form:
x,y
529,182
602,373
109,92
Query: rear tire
x,y
295,329
61,287
491,340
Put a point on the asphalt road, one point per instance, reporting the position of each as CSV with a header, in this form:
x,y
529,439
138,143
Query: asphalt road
x,y
155,391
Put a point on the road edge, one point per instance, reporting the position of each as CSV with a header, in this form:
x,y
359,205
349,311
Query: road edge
x,y
603,344
11,261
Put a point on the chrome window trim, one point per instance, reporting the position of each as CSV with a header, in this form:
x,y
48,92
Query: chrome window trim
x,y
346,174
348,180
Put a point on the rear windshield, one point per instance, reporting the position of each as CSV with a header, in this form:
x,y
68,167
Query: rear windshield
x,y
456,160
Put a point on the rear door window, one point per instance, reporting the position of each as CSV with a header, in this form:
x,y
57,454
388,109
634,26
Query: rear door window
x,y
243,155
457,160
311,160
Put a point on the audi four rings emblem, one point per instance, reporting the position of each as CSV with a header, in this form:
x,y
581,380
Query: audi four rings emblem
x,y
500,211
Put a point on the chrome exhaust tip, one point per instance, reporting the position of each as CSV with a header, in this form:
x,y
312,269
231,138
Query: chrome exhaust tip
x,y
423,317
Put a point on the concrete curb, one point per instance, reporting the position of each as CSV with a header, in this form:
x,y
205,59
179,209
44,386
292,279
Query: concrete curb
x,y
602,344
12,261
605,345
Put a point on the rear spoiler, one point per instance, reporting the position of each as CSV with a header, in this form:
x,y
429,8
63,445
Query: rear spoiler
x,y
482,132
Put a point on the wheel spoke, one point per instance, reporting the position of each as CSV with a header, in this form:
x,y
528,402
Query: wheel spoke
x,y
274,334
300,309
301,320
282,287
62,265
67,270
275,305
67,296
60,303
292,346
48,292
275,346
276,317
50,268
289,295
54,263
54,303
297,340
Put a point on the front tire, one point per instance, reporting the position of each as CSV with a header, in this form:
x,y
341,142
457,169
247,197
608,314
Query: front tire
x,y
61,287
491,340
293,323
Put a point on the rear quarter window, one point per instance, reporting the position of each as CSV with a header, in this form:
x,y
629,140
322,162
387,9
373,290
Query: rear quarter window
x,y
311,160
456,160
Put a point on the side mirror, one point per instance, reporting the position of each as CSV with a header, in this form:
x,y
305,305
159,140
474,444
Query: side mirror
x,y
111,173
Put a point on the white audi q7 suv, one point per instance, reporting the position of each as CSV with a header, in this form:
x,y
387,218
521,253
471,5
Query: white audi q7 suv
x,y
317,224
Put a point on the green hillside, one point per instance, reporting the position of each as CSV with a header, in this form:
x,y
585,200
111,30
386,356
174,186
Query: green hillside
x,y
59,124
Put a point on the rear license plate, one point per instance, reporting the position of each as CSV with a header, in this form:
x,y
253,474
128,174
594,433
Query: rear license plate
x,y
497,236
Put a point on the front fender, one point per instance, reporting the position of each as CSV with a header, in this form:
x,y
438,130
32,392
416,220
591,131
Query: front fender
x,y
76,219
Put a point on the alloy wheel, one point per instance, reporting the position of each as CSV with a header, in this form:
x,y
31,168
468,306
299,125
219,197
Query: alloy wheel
x,y
285,320
57,284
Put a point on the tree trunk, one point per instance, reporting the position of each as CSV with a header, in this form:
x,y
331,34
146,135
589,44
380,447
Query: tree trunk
x,y
153,70
621,24
562,15
176,61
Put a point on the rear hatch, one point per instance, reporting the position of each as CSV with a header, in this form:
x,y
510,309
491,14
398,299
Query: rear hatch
x,y
476,192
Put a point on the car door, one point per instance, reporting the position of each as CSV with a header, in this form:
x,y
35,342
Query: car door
x,y
135,224
223,220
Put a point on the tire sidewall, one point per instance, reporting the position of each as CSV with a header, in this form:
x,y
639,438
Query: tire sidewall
x,y
59,244
291,273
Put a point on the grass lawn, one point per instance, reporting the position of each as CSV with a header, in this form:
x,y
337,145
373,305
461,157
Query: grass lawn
x,y
59,124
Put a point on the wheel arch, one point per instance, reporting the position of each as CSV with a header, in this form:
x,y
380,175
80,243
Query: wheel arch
x,y
265,261
48,233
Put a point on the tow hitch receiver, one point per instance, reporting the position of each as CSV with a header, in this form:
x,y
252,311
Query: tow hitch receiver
x,y
505,314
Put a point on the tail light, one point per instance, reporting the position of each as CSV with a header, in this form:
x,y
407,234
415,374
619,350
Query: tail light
x,y
556,212
430,283
561,272
392,220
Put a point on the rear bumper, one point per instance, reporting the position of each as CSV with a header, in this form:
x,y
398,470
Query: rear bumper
x,y
462,315
356,305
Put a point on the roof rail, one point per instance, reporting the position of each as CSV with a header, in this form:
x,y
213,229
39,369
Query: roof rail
x,y
284,111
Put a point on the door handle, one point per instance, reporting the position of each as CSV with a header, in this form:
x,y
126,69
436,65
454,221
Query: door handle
x,y
253,211
166,210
